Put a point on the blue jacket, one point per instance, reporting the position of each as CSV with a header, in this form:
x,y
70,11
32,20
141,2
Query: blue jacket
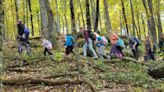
x,y
26,30
69,41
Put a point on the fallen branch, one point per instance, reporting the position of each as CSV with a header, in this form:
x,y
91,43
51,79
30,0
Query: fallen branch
x,y
45,82
61,75
22,70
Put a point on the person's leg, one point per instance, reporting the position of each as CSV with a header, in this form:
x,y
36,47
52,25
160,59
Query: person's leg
x,y
151,54
20,49
100,52
91,48
85,49
27,48
45,50
49,52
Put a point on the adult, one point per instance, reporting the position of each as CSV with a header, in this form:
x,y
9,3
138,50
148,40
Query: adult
x,y
88,42
149,53
134,44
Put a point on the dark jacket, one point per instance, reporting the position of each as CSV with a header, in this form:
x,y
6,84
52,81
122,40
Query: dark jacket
x,y
20,29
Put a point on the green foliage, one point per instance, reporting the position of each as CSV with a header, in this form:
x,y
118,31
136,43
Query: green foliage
x,y
100,64
58,56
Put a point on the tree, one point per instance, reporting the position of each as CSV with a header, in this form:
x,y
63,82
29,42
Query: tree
x,y
159,24
108,23
97,15
16,9
88,15
43,19
52,32
133,20
152,22
31,17
124,15
72,17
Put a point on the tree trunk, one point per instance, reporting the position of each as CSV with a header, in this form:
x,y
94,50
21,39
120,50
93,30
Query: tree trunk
x,y
1,34
139,28
100,22
31,17
133,20
93,12
97,15
72,17
24,11
27,22
16,9
152,22
88,15
82,13
143,24
43,19
108,23
124,15
58,17
66,21
52,33
159,24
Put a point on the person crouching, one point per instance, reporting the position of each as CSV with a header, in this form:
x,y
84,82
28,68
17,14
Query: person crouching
x,y
47,45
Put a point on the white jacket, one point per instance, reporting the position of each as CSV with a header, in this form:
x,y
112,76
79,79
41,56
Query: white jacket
x,y
47,44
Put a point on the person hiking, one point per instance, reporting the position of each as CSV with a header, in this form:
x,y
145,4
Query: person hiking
x,y
26,34
88,42
101,42
115,50
69,44
22,42
149,54
134,44
47,45
21,27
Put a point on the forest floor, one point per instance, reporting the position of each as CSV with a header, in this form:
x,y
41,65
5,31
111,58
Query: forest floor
x,y
37,73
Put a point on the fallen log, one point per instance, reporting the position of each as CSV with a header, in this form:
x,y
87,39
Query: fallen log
x,y
157,72
45,82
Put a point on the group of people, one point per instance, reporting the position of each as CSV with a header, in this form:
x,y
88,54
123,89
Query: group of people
x,y
91,39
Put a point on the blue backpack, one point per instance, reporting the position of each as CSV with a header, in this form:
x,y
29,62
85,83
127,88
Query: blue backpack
x,y
69,41
120,43
138,42
26,30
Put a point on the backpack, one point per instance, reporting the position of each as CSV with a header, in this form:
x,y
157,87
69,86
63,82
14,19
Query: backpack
x,y
69,41
138,42
120,43
92,35
105,41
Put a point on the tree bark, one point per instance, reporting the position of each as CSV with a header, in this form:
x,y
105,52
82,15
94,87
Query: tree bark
x,y
139,28
16,9
31,17
152,22
82,14
159,24
88,15
143,24
133,20
124,15
43,19
73,18
108,23
52,32
92,3
97,16
58,18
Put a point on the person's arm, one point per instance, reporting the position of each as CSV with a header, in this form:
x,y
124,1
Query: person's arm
x,y
135,43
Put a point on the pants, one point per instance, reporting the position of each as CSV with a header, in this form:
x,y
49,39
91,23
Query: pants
x,y
101,52
149,55
27,37
20,47
135,52
69,50
47,51
90,46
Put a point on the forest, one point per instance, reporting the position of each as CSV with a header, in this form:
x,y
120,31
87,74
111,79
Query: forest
x,y
81,45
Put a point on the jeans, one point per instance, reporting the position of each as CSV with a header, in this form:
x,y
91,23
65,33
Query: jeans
x,y
149,55
20,47
101,52
90,46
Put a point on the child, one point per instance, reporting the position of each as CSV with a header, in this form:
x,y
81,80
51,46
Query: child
x,y
100,44
115,51
47,46
69,44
